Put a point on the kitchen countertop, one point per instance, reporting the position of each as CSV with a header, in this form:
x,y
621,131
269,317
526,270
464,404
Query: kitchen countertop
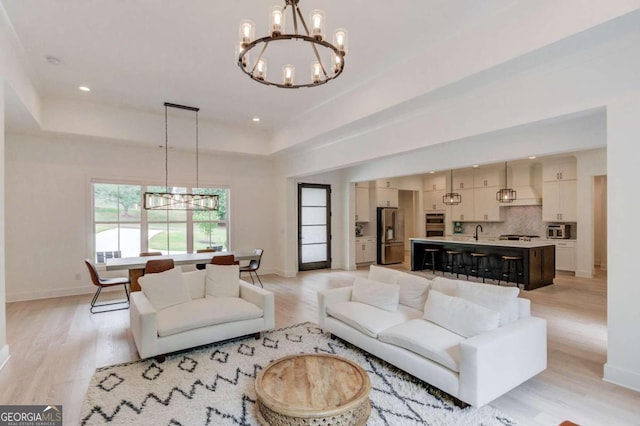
x,y
534,243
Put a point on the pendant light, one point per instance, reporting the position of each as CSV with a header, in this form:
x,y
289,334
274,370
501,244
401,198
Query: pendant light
x,y
172,200
452,198
506,195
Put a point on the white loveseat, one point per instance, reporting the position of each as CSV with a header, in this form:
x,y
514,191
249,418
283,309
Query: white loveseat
x,y
473,341
178,310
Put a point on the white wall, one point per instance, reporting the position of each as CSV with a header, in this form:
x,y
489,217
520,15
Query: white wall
x,y
590,164
48,198
623,293
600,222
4,348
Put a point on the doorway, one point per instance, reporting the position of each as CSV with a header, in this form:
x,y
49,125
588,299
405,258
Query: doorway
x,y
314,226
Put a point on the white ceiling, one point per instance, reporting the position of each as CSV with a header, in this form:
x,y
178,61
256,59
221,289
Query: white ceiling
x,y
139,54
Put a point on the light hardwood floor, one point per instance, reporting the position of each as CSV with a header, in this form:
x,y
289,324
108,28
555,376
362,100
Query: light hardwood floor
x,y
56,344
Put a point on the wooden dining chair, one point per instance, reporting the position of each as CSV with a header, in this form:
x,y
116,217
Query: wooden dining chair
x,y
224,259
150,253
104,283
204,265
253,266
158,265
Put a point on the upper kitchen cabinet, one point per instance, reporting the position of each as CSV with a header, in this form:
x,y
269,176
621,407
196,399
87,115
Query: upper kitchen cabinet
x,y
434,186
560,201
463,181
362,202
564,169
463,212
485,206
387,183
488,177
386,197
434,182
560,191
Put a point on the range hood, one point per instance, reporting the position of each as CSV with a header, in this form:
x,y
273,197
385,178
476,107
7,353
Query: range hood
x,y
526,180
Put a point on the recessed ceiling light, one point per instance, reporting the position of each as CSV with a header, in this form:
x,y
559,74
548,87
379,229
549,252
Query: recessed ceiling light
x,y
84,88
432,171
475,166
256,119
532,157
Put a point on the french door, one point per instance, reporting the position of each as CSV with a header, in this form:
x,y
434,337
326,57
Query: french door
x,y
314,226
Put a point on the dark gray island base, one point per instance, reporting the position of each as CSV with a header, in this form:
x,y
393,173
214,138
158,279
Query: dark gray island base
x,y
538,258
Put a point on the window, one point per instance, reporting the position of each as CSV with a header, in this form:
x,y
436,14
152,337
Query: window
x,y
122,228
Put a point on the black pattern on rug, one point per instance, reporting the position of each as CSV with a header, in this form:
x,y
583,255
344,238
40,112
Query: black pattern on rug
x,y
214,385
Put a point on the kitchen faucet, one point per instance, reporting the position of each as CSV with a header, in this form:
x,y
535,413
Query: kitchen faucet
x,y
476,234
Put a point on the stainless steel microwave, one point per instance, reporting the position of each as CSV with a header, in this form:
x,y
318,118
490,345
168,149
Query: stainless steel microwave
x,y
558,231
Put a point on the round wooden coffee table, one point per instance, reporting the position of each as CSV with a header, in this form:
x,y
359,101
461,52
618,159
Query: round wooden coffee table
x,y
312,389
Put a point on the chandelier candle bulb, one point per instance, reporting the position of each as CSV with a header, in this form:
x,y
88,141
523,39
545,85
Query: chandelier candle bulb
x,y
340,40
261,69
316,72
277,21
317,24
337,63
247,32
287,74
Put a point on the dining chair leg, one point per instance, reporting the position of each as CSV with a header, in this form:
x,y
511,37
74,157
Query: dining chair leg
x,y
259,280
125,303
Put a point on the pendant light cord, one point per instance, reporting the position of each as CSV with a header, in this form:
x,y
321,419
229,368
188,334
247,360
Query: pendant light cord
x,y
166,151
197,159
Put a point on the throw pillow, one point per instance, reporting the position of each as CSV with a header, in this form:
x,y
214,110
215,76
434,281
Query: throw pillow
x,y
223,281
501,299
413,290
380,295
165,289
459,315
382,275
445,285
194,280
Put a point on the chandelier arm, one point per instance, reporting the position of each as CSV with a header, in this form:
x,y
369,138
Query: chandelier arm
x,y
304,24
294,8
259,56
313,46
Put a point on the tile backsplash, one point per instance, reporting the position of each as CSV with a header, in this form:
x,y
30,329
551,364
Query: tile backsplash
x,y
523,220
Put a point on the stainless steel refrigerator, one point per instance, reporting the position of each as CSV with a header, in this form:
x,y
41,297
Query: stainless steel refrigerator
x,y
390,235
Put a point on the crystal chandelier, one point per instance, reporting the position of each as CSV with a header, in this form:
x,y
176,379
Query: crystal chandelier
x,y
320,71
177,201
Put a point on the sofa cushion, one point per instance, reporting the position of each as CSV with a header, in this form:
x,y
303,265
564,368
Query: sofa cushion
x,y
380,295
413,290
382,274
223,280
445,285
165,289
459,315
501,299
427,339
203,313
194,280
369,319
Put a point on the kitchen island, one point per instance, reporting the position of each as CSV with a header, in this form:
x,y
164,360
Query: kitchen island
x,y
538,256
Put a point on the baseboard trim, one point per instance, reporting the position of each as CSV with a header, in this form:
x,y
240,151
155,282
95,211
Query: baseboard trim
x,y
585,274
625,378
4,356
50,294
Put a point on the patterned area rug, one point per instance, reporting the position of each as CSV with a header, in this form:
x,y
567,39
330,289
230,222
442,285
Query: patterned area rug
x,y
214,385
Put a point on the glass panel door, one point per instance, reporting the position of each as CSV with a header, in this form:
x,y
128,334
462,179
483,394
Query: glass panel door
x,y
314,226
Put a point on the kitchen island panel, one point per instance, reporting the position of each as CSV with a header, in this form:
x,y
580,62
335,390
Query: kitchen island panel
x,y
538,257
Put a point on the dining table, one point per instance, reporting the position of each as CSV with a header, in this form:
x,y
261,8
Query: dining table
x,y
135,265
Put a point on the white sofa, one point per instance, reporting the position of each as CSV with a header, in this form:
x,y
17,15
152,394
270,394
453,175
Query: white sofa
x,y
178,310
496,346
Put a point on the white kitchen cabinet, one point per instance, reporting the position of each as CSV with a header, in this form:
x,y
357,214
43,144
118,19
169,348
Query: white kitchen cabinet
x,y
489,177
485,206
565,169
462,181
434,182
365,184
560,201
387,183
365,249
432,201
386,197
362,204
566,255
463,212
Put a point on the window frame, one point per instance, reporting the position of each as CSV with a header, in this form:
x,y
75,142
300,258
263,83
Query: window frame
x,y
144,221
